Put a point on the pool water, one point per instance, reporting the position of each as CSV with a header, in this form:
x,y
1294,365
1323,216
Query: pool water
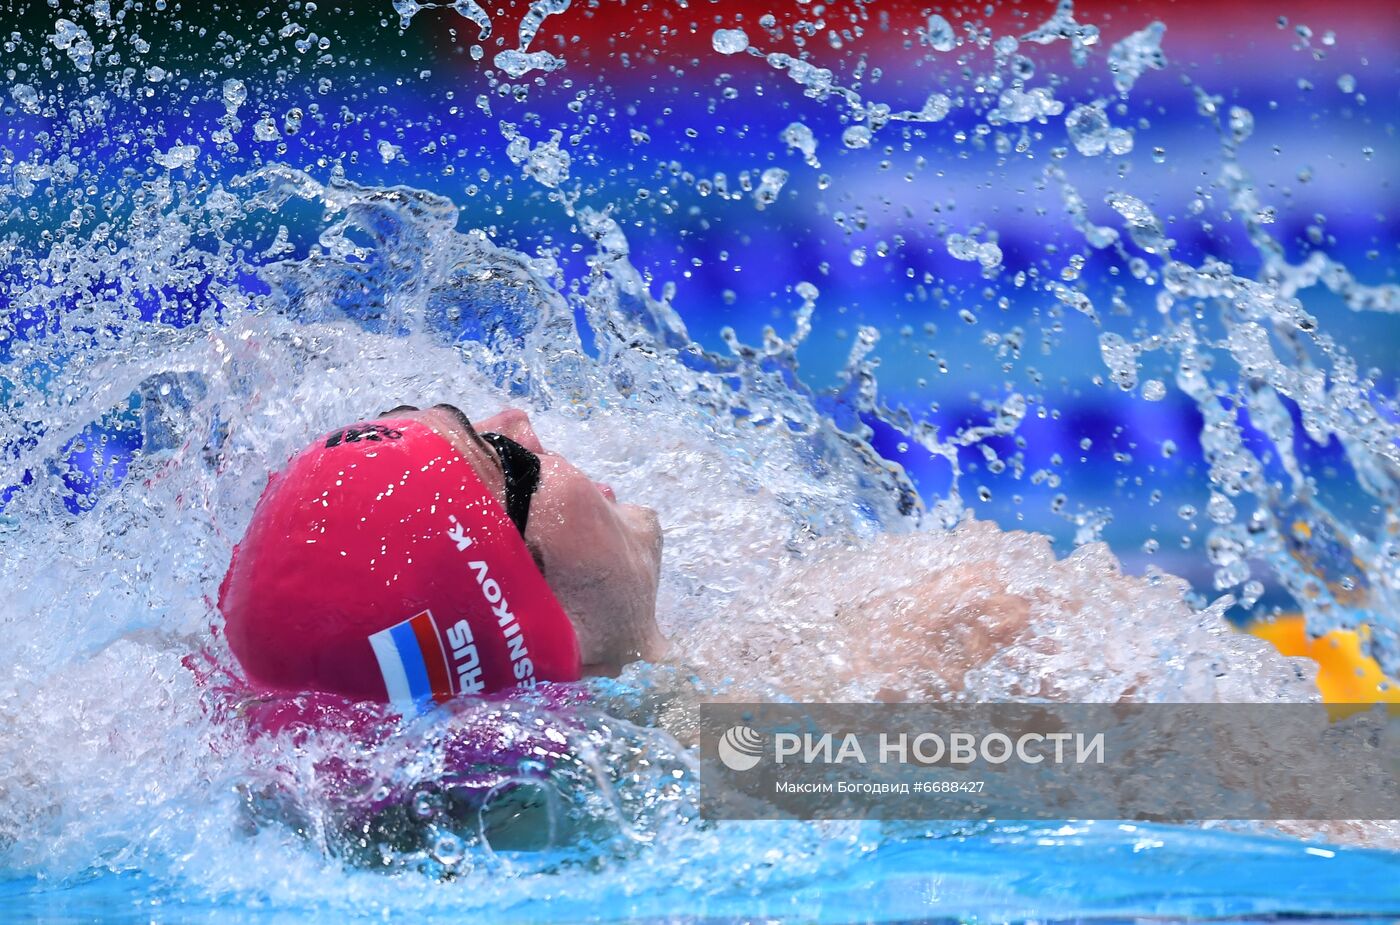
x,y
1081,871
806,280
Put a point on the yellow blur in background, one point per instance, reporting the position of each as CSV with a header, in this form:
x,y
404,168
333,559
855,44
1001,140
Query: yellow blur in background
x,y
1345,674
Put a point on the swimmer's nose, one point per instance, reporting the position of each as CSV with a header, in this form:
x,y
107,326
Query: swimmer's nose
x,y
515,424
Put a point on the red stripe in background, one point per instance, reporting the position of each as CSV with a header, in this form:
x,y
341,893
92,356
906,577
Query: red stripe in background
x,y
434,659
597,34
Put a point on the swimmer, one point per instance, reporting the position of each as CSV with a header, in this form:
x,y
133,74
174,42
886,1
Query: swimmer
x,y
420,556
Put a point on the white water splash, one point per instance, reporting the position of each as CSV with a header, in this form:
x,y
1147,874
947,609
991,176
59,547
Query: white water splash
x,y
113,761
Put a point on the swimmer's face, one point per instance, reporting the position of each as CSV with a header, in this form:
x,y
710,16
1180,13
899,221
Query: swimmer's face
x,y
601,558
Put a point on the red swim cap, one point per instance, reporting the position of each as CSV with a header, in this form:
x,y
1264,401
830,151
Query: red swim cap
x,y
379,566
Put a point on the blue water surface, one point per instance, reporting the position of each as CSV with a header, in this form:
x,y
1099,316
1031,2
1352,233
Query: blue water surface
x,y
740,273
1100,871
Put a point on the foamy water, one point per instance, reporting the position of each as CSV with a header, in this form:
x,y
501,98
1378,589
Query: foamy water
x,y
321,299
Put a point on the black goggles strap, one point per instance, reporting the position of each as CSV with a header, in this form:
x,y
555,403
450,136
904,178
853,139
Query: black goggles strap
x,y
522,472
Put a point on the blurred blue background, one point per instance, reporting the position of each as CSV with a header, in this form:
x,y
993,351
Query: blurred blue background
x,y
657,125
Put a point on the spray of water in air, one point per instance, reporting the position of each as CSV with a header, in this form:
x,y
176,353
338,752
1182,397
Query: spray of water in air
x,y
203,265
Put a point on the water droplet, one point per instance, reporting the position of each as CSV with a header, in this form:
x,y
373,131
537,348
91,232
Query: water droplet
x,y
1241,123
939,34
177,157
1088,129
518,63
1135,54
546,163
964,247
730,41
1220,510
448,849
1015,105
799,137
266,129
770,185
27,98
72,38
857,136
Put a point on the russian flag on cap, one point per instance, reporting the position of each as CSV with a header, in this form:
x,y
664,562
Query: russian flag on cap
x,y
413,661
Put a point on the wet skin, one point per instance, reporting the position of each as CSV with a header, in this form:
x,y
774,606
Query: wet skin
x,y
601,558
